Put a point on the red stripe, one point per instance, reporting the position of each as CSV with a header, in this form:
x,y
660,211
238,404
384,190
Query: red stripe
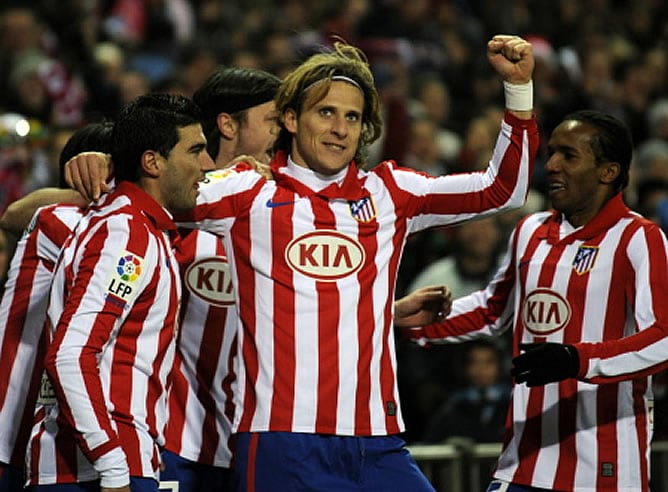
x,y
240,234
16,317
329,316
35,449
606,434
283,394
177,406
66,454
252,462
365,337
210,346
25,426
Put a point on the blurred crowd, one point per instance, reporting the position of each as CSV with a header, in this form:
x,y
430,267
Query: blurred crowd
x,y
64,63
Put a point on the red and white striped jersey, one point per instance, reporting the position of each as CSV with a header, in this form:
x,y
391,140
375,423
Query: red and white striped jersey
x,y
200,399
314,271
23,337
114,305
602,288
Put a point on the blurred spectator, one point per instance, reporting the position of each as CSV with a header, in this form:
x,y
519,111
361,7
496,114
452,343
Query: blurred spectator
x,y
475,248
431,99
478,142
478,409
657,119
39,84
132,84
423,153
15,158
110,57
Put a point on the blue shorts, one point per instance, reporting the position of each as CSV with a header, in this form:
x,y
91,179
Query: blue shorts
x,y
501,486
11,478
194,477
137,484
287,461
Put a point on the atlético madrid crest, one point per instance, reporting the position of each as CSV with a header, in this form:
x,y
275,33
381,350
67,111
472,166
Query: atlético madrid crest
x,y
585,259
363,210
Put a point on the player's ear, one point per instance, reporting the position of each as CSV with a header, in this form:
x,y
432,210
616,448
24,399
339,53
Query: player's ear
x,y
151,163
289,119
227,126
609,172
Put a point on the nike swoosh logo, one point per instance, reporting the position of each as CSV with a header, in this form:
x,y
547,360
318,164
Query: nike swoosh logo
x,y
271,204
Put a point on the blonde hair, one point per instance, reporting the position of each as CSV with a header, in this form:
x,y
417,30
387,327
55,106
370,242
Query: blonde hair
x,y
315,77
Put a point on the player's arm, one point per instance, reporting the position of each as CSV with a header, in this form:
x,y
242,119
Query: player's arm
x,y
89,172
19,213
91,318
512,58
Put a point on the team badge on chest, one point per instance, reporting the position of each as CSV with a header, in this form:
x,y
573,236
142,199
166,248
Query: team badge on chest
x,y
363,210
584,259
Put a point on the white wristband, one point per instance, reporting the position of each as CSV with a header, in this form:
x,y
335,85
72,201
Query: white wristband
x,y
519,97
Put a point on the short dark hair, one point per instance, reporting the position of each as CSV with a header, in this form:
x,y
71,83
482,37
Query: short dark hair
x,y
93,137
150,122
612,143
232,90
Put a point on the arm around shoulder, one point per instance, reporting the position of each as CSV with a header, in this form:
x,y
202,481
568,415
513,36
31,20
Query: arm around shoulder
x,y
17,216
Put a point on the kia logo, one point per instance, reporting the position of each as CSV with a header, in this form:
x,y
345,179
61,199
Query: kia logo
x,y
325,255
210,280
545,312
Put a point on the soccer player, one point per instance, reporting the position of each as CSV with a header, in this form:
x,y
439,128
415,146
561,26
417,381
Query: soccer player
x,y
114,307
239,118
583,287
23,336
314,256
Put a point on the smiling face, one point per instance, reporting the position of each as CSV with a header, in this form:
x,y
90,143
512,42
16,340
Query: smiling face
x,y
577,186
327,132
185,167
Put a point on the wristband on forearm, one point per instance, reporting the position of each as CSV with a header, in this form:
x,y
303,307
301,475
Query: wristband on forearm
x,y
519,97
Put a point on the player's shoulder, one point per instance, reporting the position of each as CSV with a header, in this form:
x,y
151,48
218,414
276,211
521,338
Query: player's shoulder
x,y
220,174
61,216
536,219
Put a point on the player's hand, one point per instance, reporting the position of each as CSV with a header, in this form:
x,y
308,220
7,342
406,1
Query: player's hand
x,y
87,173
423,306
543,363
512,57
262,168
115,489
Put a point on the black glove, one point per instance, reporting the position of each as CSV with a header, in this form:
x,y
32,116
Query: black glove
x,y
543,363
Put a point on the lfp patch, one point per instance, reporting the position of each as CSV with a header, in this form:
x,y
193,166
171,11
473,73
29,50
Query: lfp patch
x,y
128,269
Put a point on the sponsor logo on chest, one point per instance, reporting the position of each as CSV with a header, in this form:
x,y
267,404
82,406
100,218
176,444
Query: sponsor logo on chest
x,y
545,311
325,255
210,280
